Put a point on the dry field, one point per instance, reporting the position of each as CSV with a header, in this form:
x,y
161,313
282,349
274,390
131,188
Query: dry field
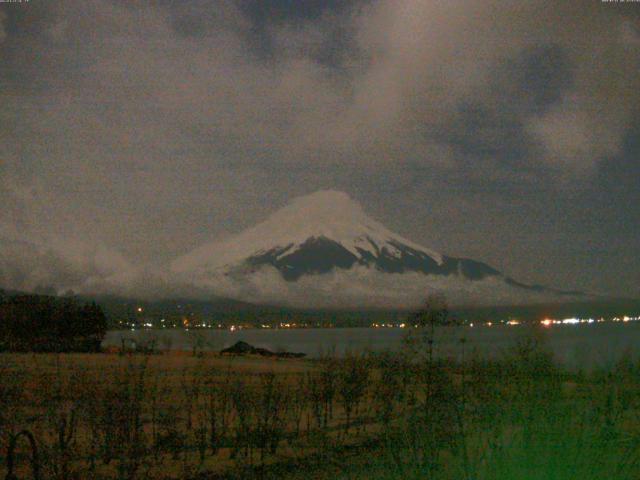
x,y
382,416
176,415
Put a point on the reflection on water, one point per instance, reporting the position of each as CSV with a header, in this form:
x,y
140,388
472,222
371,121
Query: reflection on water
x,y
574,346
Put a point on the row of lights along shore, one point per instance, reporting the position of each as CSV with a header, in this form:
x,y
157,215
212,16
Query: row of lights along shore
x,y
546,322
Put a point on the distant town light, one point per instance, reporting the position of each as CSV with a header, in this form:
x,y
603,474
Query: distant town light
x,y
570,321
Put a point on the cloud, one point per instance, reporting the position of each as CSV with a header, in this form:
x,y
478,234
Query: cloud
x,y
60,266
362,286
429,58
152,128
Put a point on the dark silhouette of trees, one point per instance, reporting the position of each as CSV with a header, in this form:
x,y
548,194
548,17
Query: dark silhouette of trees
x,y
50,324
434,312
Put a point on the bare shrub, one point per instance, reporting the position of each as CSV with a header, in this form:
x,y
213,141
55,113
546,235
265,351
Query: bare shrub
x,y
219,408
271,406
353,376
243,401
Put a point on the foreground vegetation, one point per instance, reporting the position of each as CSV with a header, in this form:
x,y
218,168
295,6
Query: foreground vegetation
x,y
43,323
375,416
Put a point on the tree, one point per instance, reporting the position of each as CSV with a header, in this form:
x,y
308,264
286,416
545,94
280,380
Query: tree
x,y
45,323
434,312
434,421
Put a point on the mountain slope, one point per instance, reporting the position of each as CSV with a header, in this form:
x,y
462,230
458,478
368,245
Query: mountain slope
x,y
323,250
321,255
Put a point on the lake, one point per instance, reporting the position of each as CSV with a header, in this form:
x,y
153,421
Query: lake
x,y
574,346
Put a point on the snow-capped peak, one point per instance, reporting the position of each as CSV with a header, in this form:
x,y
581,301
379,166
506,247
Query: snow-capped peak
x,y
327,214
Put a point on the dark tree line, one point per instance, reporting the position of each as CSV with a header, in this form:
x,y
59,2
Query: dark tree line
x,y
39,323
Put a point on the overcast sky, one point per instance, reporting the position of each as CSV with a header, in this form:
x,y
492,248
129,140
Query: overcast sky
x,y
509,132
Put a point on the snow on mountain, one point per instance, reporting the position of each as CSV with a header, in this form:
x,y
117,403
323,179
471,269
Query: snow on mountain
x,y
325,214
322,250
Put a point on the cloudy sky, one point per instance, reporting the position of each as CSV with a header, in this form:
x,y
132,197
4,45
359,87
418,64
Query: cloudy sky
x,y
133,131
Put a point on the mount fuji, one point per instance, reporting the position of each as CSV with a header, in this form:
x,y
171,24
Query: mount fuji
x,y
323,251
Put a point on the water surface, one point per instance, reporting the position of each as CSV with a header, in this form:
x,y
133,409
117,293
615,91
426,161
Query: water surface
x,y
574,346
